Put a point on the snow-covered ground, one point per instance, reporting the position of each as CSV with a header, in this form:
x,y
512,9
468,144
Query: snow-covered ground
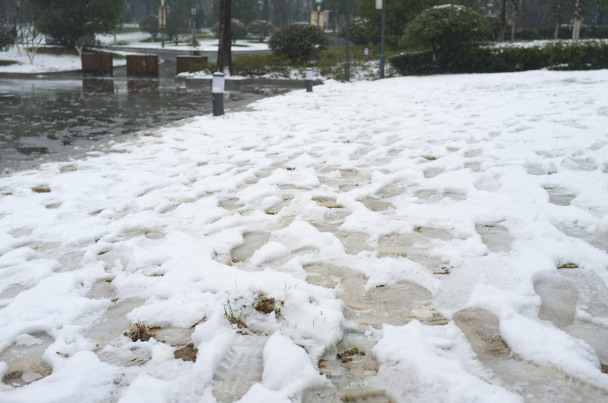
x,y
133,39
542,43
43,63
453,229
359,71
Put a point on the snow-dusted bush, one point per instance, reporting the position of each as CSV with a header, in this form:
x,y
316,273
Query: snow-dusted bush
x,y
238,30
360,32
562,55
6,40
298,41
445,30
261,28
150,25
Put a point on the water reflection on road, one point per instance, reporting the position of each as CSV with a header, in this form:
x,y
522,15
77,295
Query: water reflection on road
x,y
48,119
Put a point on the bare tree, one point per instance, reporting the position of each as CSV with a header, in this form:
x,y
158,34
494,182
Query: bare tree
x,y
224,54
503,20
578,19
513,18
557,7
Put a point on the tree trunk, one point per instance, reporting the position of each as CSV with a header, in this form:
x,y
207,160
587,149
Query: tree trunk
x,y
514,18
503,21
558,20
578,20
224,53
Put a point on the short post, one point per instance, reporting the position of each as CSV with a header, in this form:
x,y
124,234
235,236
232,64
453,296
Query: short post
x,y
162,21
193,13
308,80
366,51
382,40
347,62
217,94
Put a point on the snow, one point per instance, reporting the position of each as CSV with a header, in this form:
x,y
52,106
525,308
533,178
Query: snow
x,y
43,63
451,228
542,43
134,39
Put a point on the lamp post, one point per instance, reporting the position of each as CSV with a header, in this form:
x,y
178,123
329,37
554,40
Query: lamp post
x,y
347,62
319,2
193,13
162,21
382,44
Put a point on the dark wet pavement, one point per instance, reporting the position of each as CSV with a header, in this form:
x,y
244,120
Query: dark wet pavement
x,y
52,118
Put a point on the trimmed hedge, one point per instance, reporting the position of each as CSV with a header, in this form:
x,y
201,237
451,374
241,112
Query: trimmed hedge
x,y
298,41
586,55
564,32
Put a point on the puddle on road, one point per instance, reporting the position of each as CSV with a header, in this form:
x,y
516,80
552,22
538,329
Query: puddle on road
x,y
433,172
562,294
481,329
599,241
108,329
559,298
534,383
229,204
252,241
24,359
415,246
354,242
495,237
560,196
376,205
276,209
395,305
240,368
488,183
349,374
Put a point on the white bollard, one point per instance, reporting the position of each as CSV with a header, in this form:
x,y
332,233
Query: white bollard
x,y
308,80
217,94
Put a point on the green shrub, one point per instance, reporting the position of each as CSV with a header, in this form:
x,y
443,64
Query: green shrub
x,y
361,32
298,41
260,64
177,28
150,25
206,67
493,59
445,30
6,40
238,30
261,28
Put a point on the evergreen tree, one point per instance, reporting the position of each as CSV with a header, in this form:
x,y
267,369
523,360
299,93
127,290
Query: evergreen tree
x,y
77,21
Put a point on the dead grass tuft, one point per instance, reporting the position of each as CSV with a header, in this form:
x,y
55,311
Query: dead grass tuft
x,y
346,354
138,331
235,320
267,305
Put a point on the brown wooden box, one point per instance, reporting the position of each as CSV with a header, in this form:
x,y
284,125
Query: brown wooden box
x,y
100,62
184,62
142,64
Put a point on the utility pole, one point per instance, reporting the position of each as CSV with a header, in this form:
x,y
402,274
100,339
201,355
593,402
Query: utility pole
x,y
382,44
193,13
162,21
224,53
347,63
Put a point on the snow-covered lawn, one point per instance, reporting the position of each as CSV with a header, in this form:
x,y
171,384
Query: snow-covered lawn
x,y
133,39
43,63
453,229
